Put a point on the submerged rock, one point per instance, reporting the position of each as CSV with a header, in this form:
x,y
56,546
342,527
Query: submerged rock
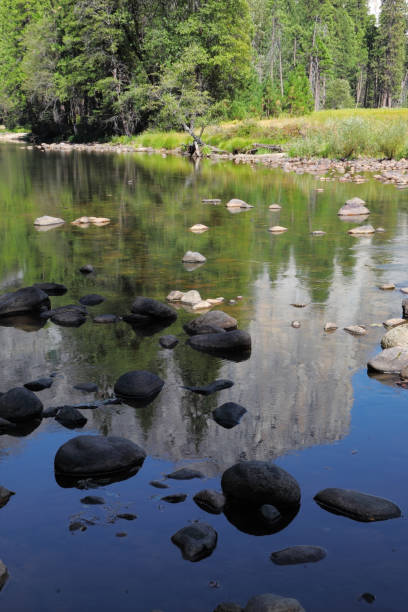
x,y
176,498
260,482
28,299
213,387
318,233
356,505
3,574
70,417
193,257
88,387
97,455
269,602
169,341
196,541
71,315
389,361
158,484
185,474
5,495
93,299
234,341
258,520
39,384
140,385
47,220
148,307
209,500
20,404
228,415
396,336
355,206
105,318
215,318
295,555
51,288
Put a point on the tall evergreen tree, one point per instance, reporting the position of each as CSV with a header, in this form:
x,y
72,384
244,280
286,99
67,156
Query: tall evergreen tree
x,y
391,43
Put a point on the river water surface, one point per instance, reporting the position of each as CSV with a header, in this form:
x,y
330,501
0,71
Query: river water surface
x,y
311,406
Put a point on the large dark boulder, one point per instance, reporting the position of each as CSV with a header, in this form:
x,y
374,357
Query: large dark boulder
x,y
138,385
39,384
70,417
258,521
196,541
358,506
93,299
269,602
228,415
260,482
214,318
19,405
51,288
28,299
97,456
295,555
153,308
71,315
236,341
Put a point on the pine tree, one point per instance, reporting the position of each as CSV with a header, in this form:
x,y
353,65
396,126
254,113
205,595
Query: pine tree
x,y
391,50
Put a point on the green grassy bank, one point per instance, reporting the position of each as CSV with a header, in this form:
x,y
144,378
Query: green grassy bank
x,y
344,133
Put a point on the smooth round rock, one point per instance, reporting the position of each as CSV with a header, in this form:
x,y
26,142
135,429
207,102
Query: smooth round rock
x,y
362,230
217,318
209,500
27,299
216,385
86,269
193,257
19,405
138,384
260,482
105,319
389,361
295,555
88,387
176,498
149,307
355,206
196,541
97,455
237,340
93,299
329,327
168,342
51,288
396,336
71,315
185,474
70,417
268,602
39,384
356,330
358,506
237,203
228,415
277,229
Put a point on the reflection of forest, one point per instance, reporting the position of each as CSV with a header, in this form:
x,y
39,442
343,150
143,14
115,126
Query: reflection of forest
x,y
297,383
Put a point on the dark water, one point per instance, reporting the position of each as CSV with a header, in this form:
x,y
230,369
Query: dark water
x,y
311,405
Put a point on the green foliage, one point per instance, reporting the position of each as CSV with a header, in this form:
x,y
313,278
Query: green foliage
x,y
338,94
298,95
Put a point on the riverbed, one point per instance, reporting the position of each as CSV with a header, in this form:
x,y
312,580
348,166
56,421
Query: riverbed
x,y
310,404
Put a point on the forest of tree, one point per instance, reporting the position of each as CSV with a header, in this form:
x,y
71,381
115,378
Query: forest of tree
x,y
92,68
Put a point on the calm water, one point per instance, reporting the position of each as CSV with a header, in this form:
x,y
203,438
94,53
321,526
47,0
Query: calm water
x,y
311,405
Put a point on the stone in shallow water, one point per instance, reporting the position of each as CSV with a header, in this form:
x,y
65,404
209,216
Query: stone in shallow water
x,y
92,500
175,296
3,574
27,299
228,415
51,288
193,257
39,384
295,555
237,203
394,322
356,505
93,299
198,228
149,307
47,220
216,318
5,495
355,206
234,341
356,330
389,361
158,484
196,541
387,287
89,387
70,417
71,315
228,606
185,474
168,342
260,482
269,602
86,269
277,229
213,387
97,455
328,327
105,318
176,498
20,404
362,230
138,384
396,336
210,501
191,298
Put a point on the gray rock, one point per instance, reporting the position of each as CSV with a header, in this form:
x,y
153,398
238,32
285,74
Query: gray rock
x,y
389,361
169,341
93,299
209,500
268,602
5,495
92,500
237,203
138,384
127,516
396,336
356,505
51,288
3,574
149,307
217,318
39,384
193,257
70,417
228,415
97,455
89,387
106,318
295,555
228,606
20,404
234,341
50,412
28,299
86,269
356,330
217,385
353,207
185,474
196,541
362,230
191,298
47,220
71,315
176,498
260,482
295,324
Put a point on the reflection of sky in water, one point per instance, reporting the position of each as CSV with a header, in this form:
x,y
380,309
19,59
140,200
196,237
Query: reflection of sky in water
x,y
310,403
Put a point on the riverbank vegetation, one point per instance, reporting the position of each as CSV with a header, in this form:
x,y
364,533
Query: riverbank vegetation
x,y
84,70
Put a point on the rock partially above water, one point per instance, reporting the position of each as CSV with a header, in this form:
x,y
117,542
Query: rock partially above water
x,y
97,455
389,361
318,233
275,207
328,327
47,220
234,341
176,498
356,505
193,257
3,574
236,203
190,298
168,342
260,482
105,318
93,299
268,602
71,315
210,501
295,555
138,384
198,228
88,387
175,296
19,405
228,415
387,287
27,299
92,500
213,387
70,417
51,288
86,269
396,336
277,229
149,307
362,230
393,322
196,541
5,495
355,206
356,330
185,474
215,318
39,384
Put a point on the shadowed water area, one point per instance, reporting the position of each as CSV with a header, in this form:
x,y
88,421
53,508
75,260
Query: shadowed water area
x,y
310,404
